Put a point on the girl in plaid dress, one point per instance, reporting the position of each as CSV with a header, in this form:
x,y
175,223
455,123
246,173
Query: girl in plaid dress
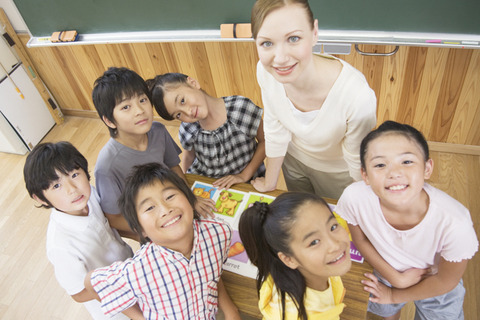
x,y
223,137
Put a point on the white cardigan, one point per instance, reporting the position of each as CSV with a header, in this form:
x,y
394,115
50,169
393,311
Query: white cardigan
x,y
330,142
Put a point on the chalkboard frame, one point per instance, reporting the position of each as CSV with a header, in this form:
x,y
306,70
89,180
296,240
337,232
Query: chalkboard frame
x,y
406,22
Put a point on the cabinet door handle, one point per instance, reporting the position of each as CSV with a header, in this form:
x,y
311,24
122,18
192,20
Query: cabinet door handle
x,y
386,54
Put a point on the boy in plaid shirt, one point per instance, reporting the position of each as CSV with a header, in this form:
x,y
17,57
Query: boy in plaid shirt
x,y
175,273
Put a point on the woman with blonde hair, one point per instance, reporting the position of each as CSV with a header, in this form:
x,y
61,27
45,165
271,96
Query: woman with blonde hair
x,y
317,108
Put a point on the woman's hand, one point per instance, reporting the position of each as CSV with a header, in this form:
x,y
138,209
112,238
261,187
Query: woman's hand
x,y
260,185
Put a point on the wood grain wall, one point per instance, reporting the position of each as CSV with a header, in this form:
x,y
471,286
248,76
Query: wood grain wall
x,y
437,90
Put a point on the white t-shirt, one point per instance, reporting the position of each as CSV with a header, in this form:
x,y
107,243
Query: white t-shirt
x,y
79,244
445,231
331,141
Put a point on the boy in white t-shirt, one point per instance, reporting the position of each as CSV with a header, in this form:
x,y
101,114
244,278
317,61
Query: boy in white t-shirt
x,y
79,238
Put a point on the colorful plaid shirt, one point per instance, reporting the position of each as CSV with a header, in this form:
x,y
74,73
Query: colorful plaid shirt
x,y
164,283
229,148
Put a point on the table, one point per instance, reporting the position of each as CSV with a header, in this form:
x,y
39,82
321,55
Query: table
x,y
243,290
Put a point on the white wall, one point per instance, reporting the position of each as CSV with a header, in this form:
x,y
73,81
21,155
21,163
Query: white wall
x,y
14,16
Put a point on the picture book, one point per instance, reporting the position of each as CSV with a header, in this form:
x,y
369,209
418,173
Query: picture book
x,y
229,206
354,253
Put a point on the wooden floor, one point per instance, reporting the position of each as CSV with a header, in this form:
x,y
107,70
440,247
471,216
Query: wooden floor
x,y
28,289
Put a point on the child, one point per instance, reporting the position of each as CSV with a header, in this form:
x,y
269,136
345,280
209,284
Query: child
x,y
300,251
175,273
317,108
417,238
122,100
223,137
79,238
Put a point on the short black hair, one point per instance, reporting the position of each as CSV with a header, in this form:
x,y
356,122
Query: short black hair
x,y
112,87
389,126
44,160
145,175
159,85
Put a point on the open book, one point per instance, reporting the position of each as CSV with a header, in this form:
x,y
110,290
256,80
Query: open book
x,y
230,205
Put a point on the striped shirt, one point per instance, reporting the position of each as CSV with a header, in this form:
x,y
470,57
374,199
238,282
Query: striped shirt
x,y
164,283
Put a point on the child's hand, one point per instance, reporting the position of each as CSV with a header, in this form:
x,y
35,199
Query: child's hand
x,y
228,181
260,185
205,207
380,292
410,277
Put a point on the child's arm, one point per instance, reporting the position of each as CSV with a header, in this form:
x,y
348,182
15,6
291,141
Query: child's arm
x,y
248,172
118,222
89,288
179,172
447,278
89,293
225,303
83,296
397,279
187,159
269,183
134,313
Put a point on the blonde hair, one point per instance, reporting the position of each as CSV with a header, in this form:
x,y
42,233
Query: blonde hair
x,y
262,8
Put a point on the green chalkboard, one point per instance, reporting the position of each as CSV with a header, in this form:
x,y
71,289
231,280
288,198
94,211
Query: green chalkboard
x,y
107,16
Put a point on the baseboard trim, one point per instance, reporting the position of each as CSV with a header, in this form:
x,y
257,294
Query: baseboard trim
x,y
94,115
454,148
80,113
434,146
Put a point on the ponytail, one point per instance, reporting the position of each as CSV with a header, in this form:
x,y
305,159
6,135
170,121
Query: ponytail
x,y
251,232
265,231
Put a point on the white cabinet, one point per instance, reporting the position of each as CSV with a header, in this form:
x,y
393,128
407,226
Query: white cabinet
x,y
7,58
28,116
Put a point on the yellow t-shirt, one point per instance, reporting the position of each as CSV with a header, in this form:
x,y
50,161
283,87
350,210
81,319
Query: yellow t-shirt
x,y
320,305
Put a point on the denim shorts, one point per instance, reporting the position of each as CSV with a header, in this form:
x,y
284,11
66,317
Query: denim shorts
x,y
445,307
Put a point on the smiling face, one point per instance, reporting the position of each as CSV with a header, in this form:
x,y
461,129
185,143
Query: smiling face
x,y
320,246
284,42
166,216
69,193
133,116
186,102
396,170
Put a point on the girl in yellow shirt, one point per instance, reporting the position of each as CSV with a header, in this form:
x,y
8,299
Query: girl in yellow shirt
x,y
300,251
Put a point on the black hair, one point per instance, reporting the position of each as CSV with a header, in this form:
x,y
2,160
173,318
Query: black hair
x,y
159,85
389,127
44,160
112,87
145,175
266,230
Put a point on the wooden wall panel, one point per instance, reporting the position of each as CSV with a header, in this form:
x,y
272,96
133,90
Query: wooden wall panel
x,y
452,84
467,115
415,66
390,91
430,89
435,89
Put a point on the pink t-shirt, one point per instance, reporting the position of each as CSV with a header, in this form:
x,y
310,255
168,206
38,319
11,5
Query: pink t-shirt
x,y
445,231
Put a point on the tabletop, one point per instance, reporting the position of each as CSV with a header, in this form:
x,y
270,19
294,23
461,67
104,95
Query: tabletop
x,y
243,290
